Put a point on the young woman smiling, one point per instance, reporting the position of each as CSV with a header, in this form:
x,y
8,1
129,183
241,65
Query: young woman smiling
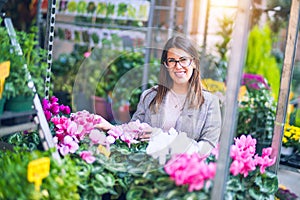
x,y
179,100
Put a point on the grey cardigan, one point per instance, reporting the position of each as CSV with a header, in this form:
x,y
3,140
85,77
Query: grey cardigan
x,y
202,124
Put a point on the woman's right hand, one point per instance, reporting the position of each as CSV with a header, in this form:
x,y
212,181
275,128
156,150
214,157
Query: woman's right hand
x,y
104,125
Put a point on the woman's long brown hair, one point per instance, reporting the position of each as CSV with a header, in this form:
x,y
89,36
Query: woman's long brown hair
x,y
194,96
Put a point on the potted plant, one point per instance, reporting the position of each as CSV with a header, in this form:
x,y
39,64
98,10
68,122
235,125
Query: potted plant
x,y
290,140
4,60
256,110
18,94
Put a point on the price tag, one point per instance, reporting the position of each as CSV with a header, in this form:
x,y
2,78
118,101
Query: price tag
x,y
37,170
103,150
4,72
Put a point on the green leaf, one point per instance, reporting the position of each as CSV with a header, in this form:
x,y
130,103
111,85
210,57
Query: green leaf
x,y
175,193
101,178
256,194
140,192
116,167
234,184
136,171
138,157
164,183
134,194
195,196
110,180
268,183
100,190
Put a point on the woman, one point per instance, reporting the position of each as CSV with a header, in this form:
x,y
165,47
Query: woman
x,y
179,100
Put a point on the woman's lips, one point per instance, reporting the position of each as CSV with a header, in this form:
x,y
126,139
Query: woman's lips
x,y
180,74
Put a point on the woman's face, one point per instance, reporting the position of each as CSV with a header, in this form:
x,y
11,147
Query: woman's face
x,y
180,74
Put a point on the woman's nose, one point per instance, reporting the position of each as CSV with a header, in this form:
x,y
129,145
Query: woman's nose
x,y
177,65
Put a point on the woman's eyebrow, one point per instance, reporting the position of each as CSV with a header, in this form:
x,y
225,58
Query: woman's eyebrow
x,y
179,57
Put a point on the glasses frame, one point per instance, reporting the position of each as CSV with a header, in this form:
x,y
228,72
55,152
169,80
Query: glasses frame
x,y
178,61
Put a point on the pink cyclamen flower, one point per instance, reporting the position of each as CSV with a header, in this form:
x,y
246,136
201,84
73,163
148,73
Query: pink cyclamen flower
x,y
54,108
87,54
242,153
97,137
255,81
265,161
68,145
53,99
116,132
46,104
65,109
87,156
48,115
215,151
191,170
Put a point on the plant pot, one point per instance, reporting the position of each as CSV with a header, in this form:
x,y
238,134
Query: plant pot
x,y
287,151
2,102
123,116
102,107
19,104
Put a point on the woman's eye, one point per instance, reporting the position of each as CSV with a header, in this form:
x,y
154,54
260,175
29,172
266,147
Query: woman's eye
x,y
183,59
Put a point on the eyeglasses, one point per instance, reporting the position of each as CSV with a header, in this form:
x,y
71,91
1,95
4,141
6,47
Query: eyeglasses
x,y
183,62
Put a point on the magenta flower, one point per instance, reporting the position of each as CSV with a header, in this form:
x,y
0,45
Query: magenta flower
x,y
186,169
255,81
87,54
87,156
46,104
215,151
53,99
48,115
244,158
265,161
65,109
236,167
242,153
52,108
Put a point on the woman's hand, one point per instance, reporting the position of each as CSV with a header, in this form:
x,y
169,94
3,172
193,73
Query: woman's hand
x,y
145,136
104,125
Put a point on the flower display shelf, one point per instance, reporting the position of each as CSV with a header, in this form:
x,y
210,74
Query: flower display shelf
x,y
291,162
11,122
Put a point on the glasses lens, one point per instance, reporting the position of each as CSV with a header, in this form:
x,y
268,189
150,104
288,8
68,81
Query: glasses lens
x,y
170,63
185,62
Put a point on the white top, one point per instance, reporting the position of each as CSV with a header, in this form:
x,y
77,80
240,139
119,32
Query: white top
x,y
172,109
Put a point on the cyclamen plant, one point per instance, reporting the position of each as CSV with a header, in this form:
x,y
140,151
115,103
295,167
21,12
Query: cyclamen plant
x,y
198,172
70,131
255,81
69,128
244,158
190,170
130,132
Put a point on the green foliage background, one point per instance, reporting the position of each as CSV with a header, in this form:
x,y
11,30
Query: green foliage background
x,y
260,59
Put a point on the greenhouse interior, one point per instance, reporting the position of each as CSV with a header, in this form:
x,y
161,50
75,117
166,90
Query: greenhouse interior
x,y
150,99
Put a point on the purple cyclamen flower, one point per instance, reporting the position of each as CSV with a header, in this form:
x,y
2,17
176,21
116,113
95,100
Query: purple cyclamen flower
x,y
65,109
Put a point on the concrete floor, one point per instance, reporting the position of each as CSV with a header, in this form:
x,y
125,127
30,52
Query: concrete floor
x,y
290,178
